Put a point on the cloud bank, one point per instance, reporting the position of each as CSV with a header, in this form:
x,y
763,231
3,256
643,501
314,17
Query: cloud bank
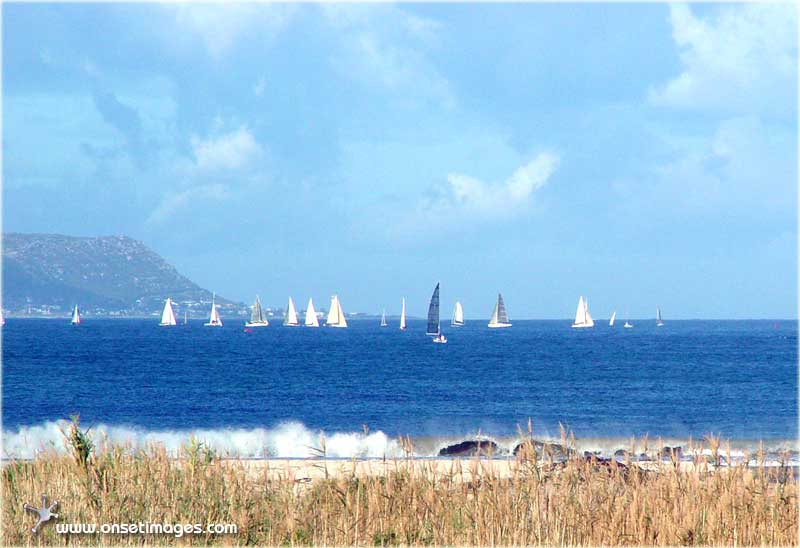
x,y
744,57
464,195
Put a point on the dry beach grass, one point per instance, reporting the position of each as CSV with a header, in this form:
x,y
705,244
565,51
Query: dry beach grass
x,y
519,501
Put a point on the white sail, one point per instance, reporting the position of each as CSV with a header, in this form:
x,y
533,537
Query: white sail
x,y
499,316
383,319
582,316
342,319
613,317
586,316
168,316
76,317
333,312
403,316
213,319
579,312
311,315
458,315
336,316
291,314
659,321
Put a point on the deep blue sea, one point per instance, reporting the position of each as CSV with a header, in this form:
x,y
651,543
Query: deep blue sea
x,y
272,390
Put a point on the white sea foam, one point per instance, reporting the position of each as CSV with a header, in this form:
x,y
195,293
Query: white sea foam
x,y
289,439
293,439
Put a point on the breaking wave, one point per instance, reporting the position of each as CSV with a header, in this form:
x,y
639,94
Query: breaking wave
x,y
289,439
292,439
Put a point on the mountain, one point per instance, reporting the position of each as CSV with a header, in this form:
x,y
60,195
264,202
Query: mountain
x,y
50,273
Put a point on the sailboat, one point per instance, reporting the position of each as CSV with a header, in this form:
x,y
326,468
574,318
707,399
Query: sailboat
x,y
2,319
434,327
185,317
403,316
659,321
311,315
168,316
214,320
628,324
383,319
613,317
257,318
336,314
458,315
582,316
499,316
291,315
76,316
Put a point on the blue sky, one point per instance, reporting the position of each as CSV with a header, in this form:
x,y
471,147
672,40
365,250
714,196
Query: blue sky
x,y
635,154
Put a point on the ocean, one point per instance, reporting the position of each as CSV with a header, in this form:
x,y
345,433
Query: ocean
x,y
298,392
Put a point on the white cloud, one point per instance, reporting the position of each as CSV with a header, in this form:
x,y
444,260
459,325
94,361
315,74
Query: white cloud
x,y
174,202
476,199
745,57
228,151
745,170
382,48
224,166
220,25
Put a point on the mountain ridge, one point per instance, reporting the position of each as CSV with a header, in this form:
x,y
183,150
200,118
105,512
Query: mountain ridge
x,y
114,275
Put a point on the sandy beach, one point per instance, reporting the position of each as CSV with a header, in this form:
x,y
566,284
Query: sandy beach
x,y
457,469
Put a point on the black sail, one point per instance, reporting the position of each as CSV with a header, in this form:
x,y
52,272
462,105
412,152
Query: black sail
x,y
433,313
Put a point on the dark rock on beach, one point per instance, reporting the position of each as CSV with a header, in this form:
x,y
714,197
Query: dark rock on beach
x,y
668,451
543,449
469,448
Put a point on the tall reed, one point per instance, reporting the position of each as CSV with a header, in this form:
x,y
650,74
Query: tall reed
x,y
463,502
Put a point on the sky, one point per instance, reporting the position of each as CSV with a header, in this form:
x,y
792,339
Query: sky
x,y
640,155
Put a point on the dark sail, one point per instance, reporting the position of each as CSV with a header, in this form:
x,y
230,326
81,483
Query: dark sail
x,y
502,317
433,313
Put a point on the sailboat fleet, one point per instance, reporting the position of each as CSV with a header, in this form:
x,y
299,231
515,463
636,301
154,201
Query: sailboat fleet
x,y
337,318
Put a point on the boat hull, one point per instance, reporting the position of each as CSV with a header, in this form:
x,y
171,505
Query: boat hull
x,y
209,324
335,325
256,324
498,325
582,325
